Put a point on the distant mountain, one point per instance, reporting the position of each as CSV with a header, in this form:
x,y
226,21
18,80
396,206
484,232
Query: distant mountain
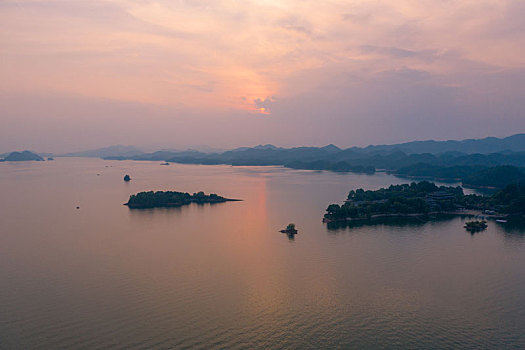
x,y
445,160
267,146
160,155
205,149
23,156
331,148
111,151
515,143
258,147
409,156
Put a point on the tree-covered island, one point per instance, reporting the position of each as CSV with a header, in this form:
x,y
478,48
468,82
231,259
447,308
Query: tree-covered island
x,y
423,198
475,226
155,199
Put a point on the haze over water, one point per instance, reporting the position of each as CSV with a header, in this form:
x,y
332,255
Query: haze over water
x,y
221,276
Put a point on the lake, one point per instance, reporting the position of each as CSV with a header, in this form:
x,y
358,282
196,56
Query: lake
x,y
222,276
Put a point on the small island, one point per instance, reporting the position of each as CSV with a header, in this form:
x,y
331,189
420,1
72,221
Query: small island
x,y
475,226
158,199
290,229
127,178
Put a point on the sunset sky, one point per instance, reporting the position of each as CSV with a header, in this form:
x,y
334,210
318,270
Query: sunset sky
x,y
82,74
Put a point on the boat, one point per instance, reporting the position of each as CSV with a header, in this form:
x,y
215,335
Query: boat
x,y
501,221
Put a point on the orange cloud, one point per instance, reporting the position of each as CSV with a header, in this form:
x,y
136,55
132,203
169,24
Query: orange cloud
x,y
210,54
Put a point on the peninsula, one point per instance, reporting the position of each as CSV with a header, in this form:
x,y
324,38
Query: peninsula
x,y
156,199
424,198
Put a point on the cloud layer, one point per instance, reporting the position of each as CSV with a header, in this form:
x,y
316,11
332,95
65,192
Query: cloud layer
x,y
288,72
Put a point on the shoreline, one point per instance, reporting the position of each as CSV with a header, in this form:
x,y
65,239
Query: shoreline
x,y
443,179
418,215
180,204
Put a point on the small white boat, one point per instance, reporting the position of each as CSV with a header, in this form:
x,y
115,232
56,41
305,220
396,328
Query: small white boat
x,y
501,220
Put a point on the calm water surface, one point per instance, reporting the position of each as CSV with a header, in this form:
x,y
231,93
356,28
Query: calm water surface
x,y
221,276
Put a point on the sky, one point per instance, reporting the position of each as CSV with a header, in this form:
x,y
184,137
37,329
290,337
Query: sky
x,y
79,74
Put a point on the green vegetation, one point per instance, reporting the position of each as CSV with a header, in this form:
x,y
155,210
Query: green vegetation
x,y
471,176
156,199
395,200
127,178
497,177
510,200
424,170
423,198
